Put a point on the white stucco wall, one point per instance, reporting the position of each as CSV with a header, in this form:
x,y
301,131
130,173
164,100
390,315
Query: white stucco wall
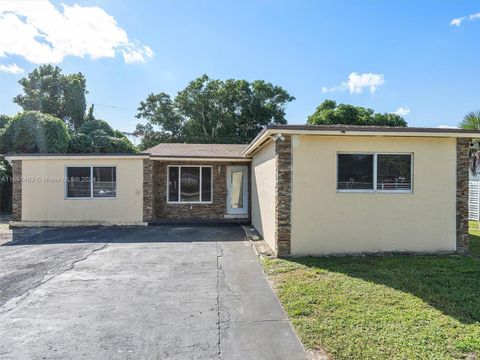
x,y
44,201
263,193
325,221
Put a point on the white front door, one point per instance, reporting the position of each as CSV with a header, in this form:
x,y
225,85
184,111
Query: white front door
x,y
237,190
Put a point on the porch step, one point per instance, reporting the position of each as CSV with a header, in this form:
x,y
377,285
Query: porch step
x,y
200,222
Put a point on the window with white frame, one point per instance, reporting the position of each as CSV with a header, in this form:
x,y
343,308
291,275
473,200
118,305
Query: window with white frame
x,y
189,184
374,172
89,182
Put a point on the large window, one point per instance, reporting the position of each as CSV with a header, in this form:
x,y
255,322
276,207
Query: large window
x,y
374,172
90,182
190,184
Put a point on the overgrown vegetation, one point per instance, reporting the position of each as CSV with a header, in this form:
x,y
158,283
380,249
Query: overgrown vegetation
x,y
331,113
34,132
98,136
53,120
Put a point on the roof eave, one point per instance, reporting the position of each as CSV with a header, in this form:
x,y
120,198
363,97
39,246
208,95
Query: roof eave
x,y
10,157
338,131
200,158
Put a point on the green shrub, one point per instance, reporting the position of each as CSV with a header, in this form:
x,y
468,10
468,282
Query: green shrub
x,y
98,136
34,132
80,143
93,125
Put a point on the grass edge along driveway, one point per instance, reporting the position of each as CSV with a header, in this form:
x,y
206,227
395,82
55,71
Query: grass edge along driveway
x,y
383,307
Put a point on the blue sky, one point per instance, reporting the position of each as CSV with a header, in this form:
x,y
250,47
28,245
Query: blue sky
x,y
405,54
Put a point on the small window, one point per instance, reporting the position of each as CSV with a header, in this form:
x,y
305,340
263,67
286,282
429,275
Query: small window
x,y
190,184
374,172
91,182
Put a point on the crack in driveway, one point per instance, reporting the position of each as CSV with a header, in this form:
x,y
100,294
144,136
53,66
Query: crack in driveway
x,y
13,303
219,323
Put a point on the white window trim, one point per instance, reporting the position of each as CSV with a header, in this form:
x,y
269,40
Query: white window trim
x,y
66,197
374,190
180,185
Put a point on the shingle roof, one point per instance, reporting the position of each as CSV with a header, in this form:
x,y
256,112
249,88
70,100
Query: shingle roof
x,y
198,150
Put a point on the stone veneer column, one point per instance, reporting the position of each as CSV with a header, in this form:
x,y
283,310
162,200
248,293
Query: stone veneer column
x,y
147,190
462,194
17,190
283,195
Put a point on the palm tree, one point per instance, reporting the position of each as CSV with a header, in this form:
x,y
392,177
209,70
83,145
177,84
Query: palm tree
x,y
471,121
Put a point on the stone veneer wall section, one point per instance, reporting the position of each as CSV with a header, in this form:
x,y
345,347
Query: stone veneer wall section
x,y
462,194
178,211
17,190
147,190
283,191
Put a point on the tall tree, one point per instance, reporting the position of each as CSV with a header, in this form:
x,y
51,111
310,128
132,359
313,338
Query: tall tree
x,y
471,121
212,111
74,101
331,113
4,120
90,116
49,91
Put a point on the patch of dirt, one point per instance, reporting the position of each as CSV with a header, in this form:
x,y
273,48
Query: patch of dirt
x,y
318,355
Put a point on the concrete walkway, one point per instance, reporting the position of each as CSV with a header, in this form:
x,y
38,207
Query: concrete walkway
x,y
139,293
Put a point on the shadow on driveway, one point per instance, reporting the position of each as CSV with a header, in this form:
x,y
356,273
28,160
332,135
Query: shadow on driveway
x,y
125,234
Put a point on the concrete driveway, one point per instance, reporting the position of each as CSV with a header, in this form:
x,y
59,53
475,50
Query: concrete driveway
x,y
139,293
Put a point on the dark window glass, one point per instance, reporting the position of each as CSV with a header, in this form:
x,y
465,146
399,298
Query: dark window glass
x,y
78,182
173,184
104,182
189,184
394,172
355,172
207,184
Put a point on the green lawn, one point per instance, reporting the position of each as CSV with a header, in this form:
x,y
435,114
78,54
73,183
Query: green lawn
x,y
383,307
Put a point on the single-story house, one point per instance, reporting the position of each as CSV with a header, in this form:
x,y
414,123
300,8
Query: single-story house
x,y
308,190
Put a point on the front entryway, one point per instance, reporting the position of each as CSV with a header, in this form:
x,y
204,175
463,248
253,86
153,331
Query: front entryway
x,y
237,190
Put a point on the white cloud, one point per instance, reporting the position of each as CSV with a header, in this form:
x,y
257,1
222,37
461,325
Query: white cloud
x,y
458,21
357,83
11,69
446,127
41,33
402,111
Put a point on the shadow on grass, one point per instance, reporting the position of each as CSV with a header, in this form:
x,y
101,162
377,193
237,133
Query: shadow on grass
x,y
451,284
474,245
